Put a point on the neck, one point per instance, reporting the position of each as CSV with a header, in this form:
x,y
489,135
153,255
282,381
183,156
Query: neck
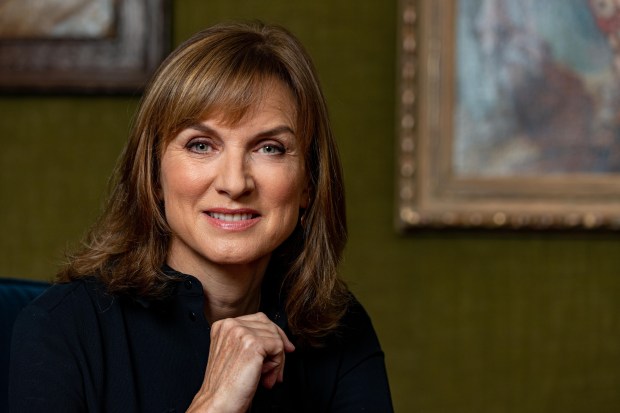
x,y
230,290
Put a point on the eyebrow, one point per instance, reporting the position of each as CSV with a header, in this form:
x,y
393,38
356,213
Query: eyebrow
x,y
278,130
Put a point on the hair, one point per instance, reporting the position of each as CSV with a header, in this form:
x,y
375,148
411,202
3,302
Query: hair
x,y
224,68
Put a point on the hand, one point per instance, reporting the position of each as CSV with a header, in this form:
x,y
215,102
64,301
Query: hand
x,y
244,351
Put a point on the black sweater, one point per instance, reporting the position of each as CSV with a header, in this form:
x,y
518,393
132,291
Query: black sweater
x,y
79,349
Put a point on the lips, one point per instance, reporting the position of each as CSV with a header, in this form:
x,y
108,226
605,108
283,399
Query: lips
x,y
232,219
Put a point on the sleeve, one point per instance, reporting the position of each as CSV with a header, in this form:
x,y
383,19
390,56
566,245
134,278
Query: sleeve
x,y
362,383
43,374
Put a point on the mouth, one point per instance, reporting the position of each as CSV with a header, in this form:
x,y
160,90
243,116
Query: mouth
x,y
235,220
228,217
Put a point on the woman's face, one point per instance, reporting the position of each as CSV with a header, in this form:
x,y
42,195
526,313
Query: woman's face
x,y
232,193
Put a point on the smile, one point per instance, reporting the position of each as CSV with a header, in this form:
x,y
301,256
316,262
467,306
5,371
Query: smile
x,y
231,217
233,220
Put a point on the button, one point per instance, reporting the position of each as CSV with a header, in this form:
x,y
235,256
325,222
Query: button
x,y
193,316
188,284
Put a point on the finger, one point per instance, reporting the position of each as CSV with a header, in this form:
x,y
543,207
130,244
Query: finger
x,y
273,369
260,316
281,372
262,323
270,366
274,339
288,345
276,365
256,323
236,328
269,380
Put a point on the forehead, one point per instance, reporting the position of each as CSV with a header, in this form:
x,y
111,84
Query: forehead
x,y
273,101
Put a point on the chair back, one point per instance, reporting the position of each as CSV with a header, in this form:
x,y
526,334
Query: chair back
x,y
15,294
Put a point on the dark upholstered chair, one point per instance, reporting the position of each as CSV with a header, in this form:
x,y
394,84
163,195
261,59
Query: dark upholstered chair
x,y
14,295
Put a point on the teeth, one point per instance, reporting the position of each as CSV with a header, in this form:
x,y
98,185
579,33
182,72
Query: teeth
x,y
230,217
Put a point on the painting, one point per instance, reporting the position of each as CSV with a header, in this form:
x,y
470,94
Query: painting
x,y
509,114
57,19
81,46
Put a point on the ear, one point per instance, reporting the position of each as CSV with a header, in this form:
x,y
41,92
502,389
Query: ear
x,y
159,192
305,197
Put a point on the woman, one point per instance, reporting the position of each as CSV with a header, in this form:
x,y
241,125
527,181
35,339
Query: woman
x,y
209,284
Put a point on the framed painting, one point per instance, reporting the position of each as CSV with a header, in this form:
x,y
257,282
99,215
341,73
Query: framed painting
x,y
81,46
509,114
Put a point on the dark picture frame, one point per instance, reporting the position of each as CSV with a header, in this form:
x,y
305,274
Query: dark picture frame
x,y
119,62
433,191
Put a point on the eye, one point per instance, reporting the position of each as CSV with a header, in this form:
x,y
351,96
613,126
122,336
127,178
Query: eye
x,y
199,147
271,149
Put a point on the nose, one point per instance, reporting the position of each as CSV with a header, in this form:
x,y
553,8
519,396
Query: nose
x,y
233,175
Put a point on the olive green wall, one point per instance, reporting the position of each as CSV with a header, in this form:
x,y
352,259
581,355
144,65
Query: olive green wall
x,y
470,322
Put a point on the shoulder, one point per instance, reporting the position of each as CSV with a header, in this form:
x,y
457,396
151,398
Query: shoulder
x,y
356,319
66,320
355,329
72,300
53,338
348,372
354,339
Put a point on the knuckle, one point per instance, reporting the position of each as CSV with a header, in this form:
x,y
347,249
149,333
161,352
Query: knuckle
x,y
215,328
248,341
237,330
228,325
262,316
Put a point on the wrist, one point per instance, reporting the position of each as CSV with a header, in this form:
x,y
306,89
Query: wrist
x,y
208,404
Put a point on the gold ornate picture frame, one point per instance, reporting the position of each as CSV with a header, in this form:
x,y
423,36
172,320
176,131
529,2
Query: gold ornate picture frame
x,y
559,171
81,46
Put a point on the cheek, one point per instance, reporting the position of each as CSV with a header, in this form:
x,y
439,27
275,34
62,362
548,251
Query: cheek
x,y
179,183
285,189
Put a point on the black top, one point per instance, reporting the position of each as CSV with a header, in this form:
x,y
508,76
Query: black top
x,y
78,349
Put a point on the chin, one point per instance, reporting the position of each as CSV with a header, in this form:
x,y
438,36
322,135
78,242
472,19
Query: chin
x,y
236,259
